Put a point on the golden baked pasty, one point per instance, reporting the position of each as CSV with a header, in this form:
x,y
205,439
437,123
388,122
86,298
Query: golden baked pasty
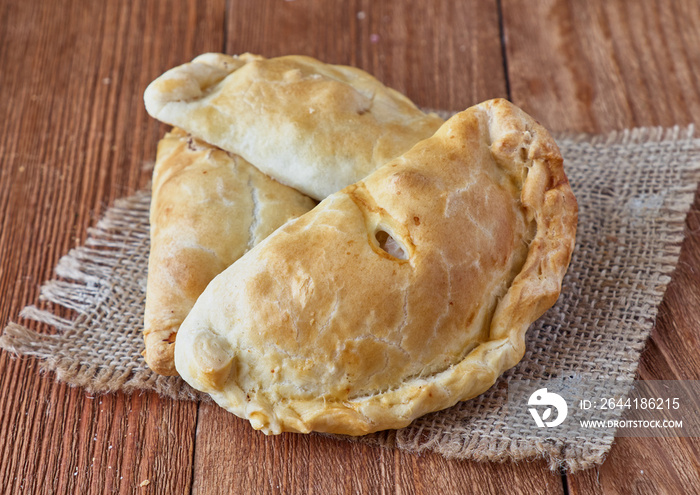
x,y
208,208
312,126
401,294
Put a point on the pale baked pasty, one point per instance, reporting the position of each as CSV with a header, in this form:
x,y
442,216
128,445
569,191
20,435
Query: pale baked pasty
x,y
208,208
320,328
312,126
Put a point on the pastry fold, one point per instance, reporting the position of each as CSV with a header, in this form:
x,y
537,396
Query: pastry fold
x,y
208,208
312,126
402,294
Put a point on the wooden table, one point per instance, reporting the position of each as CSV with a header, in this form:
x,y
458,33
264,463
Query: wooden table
x,y
75,137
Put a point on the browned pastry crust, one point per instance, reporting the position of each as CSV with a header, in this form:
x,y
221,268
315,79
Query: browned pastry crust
x,y
208,208
320,328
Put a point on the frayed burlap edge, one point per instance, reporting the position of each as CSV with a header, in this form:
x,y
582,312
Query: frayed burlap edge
x,y
84,278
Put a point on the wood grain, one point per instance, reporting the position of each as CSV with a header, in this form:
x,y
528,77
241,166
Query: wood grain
x,y
441,54
61,440
601,65
232,456
74,137
598,66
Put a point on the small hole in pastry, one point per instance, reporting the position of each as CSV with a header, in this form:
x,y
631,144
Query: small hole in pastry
x,y
390,245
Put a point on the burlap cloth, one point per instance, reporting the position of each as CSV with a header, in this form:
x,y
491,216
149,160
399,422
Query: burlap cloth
x,y
634,189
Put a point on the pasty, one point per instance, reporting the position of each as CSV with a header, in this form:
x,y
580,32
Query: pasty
x,y
208,208
312,126
402,294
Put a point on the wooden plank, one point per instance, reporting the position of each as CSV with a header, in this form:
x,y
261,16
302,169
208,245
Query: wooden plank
x,y
74,136
608,65
442,55
641,466
231,456
61,440
603,65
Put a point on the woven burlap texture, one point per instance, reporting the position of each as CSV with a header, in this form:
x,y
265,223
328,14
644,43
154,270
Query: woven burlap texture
x,y
634,190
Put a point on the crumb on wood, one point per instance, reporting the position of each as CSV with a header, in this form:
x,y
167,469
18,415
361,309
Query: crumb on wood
x,y
145,483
